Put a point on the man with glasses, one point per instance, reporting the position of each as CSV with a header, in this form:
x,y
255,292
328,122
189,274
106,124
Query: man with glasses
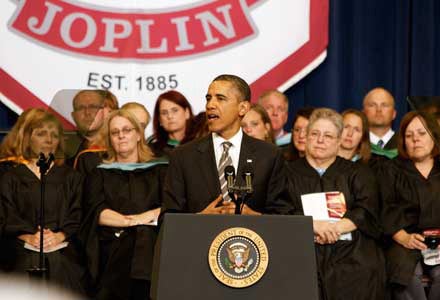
x,y
90,108
277,106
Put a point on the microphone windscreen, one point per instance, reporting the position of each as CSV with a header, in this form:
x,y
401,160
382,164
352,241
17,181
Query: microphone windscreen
x,y
229,171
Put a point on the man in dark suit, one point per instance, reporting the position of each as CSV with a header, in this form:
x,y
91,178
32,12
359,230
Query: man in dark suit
x,y
194,182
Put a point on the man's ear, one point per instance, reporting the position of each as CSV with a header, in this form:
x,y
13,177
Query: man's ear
x,y
243,108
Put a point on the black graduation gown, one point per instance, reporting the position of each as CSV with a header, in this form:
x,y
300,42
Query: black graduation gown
x,y
5,251
347,269
116,257
87,161
20,198
5,166
159,151
410,202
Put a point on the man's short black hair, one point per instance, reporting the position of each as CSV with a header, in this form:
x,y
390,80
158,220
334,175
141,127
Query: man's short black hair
x,y
239,83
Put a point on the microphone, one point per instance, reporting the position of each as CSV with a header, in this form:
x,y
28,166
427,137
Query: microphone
x,y
248,174
41,160
50,158
44,163
230,178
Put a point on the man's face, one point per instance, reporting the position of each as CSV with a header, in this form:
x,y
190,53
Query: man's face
x,y
379,109
277,108
85,109
224,108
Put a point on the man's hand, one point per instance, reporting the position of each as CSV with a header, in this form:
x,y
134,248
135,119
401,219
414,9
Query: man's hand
x,y
219,207
249,211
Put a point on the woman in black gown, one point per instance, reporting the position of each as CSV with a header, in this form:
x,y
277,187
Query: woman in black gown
x,y
410,187
350,264
123,199
20,198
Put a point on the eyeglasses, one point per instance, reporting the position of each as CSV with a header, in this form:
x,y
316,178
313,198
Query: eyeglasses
x,y
93,108
326,137
125,131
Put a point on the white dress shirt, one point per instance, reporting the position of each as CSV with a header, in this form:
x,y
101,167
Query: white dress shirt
x,y
374,139
234,151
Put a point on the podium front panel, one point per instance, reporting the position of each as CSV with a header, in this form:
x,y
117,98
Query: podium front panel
x,y
181,268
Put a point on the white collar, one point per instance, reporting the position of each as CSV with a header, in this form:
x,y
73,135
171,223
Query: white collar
x,y
374,139
235,140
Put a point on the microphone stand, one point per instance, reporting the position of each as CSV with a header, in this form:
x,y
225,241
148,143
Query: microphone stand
x,y
43,163
241,192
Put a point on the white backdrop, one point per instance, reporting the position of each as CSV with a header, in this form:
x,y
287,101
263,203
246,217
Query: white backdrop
x,y
95,44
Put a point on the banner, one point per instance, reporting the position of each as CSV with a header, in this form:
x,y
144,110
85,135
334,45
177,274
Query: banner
x,y
139,49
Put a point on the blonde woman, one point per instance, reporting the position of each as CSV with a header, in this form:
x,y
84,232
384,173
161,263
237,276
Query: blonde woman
x,y
123,199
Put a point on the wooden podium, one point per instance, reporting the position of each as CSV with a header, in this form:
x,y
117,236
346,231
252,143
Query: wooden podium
x,y
182,269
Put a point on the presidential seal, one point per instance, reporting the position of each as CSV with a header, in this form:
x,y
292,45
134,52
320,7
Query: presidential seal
x,y
238,257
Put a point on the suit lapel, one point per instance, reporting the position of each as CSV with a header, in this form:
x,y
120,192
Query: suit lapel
x,y
208,165
247,152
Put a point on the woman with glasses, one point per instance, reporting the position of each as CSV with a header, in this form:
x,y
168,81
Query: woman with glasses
x,y
410,186
89,159
123,199
355,139
297,146
20,196
350,263
172,123
256,123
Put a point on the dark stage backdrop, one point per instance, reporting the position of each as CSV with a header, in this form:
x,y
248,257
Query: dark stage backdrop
x,y
390,43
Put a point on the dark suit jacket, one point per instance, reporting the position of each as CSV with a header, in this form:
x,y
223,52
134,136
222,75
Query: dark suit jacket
x,y
192,179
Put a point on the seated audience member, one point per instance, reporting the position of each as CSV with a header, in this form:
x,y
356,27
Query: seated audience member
x,y
172,123
202,162
122,196
256,123
277,106
90,109
350,263
410,187
20,197
355,141
378,106
297,146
